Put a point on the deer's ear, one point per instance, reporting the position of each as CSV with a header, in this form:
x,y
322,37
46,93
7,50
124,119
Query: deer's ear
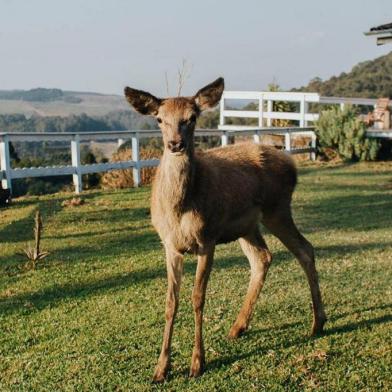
x,y
143,102
210,95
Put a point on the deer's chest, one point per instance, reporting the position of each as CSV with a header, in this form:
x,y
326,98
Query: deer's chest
x,y
182,231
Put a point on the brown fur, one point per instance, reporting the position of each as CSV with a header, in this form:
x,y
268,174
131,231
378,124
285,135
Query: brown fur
x,y
194,203
201,199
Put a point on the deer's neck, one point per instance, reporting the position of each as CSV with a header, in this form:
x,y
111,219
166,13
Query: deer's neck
x,y
176,180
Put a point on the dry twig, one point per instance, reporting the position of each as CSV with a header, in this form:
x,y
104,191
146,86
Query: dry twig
x,y
34,254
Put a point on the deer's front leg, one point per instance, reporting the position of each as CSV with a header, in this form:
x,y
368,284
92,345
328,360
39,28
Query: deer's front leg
x,y
204,263
174,265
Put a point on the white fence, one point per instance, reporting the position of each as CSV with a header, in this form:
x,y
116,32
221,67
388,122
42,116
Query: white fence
x,y
265,100
76,169
264,114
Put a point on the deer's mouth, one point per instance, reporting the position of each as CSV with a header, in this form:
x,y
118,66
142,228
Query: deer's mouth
x,y
178,153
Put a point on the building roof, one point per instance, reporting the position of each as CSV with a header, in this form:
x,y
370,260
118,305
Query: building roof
x,y
383,27
384,33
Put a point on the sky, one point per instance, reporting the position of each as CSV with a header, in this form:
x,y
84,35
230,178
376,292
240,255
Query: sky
x,y
101,46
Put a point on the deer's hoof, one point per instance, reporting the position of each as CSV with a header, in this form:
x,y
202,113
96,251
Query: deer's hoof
x,y
159,375
318,327
197,366
236,332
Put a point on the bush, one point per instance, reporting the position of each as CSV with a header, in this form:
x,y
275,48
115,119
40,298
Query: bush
x,y
117,179
342,133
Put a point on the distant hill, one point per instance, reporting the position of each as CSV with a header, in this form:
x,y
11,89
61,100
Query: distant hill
x,y
55,110
371,79
56,102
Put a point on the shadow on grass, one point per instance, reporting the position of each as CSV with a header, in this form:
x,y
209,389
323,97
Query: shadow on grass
x,y
289,330
343,169
21,230
52,296
87,234
350,327
305,170
352,212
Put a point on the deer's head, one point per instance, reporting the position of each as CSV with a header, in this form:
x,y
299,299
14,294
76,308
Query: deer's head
x,y
176,116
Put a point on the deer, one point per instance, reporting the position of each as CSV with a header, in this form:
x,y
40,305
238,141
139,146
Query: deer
x,y
200,199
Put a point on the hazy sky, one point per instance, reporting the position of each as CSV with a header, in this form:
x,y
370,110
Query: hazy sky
x,y
96,45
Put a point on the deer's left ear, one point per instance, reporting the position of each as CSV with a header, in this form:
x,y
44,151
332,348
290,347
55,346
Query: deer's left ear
x,y
210,95
143,102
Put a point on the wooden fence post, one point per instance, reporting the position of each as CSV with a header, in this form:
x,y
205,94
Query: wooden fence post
x,y
5,162
75,156
306,110
120,142
313,145
269,110
287,141
225,138
136,160
256,137
221,110
302,111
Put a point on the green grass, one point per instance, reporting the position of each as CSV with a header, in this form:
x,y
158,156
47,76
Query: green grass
x,y
91,316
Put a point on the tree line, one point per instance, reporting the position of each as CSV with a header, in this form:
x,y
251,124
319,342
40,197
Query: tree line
x,y
368,79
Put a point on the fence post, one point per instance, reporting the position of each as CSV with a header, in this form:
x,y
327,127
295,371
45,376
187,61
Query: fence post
x,y
313,145
75,156
225,138
287,141
302,111
221,110
261,112
256,137
269,110
120,142
306,111
5,162
136,160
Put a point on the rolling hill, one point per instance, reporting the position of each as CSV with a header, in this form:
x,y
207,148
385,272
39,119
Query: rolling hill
x,y
371,79
55,102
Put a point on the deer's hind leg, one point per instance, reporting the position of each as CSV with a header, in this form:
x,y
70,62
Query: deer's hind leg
x,y
256,250
282,226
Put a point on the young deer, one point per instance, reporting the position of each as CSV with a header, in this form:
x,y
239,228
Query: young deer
x,y
201,199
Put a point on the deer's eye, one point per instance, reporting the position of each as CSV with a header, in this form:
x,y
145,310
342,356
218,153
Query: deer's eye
x,y
159,120
192,118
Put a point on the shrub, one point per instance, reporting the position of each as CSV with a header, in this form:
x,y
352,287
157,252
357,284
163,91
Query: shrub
x,y
342,133
117,179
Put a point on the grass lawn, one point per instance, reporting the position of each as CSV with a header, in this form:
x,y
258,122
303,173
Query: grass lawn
x,y
91,316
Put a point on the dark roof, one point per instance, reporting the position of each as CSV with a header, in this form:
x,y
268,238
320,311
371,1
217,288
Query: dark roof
x,y
387,26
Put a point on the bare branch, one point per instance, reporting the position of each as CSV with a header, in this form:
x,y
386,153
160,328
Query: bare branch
x,y
167,84
34,254
183,75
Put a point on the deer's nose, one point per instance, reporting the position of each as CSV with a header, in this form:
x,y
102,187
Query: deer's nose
x,y
176,146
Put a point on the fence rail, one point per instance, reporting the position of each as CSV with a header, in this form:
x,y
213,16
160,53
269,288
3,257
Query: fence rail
x,y
265,104
77,170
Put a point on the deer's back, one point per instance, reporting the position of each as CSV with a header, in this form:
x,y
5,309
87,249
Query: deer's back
x,y
247,173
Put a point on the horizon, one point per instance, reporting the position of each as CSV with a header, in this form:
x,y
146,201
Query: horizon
x,y
121,95
65,46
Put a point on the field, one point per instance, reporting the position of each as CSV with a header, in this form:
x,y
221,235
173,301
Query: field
x,y
92,104
91,316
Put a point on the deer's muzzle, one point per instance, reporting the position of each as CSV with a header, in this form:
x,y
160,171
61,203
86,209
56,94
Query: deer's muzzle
x,y
176,146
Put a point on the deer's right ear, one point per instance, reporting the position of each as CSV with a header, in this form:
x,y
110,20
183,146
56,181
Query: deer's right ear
x,y
143,102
